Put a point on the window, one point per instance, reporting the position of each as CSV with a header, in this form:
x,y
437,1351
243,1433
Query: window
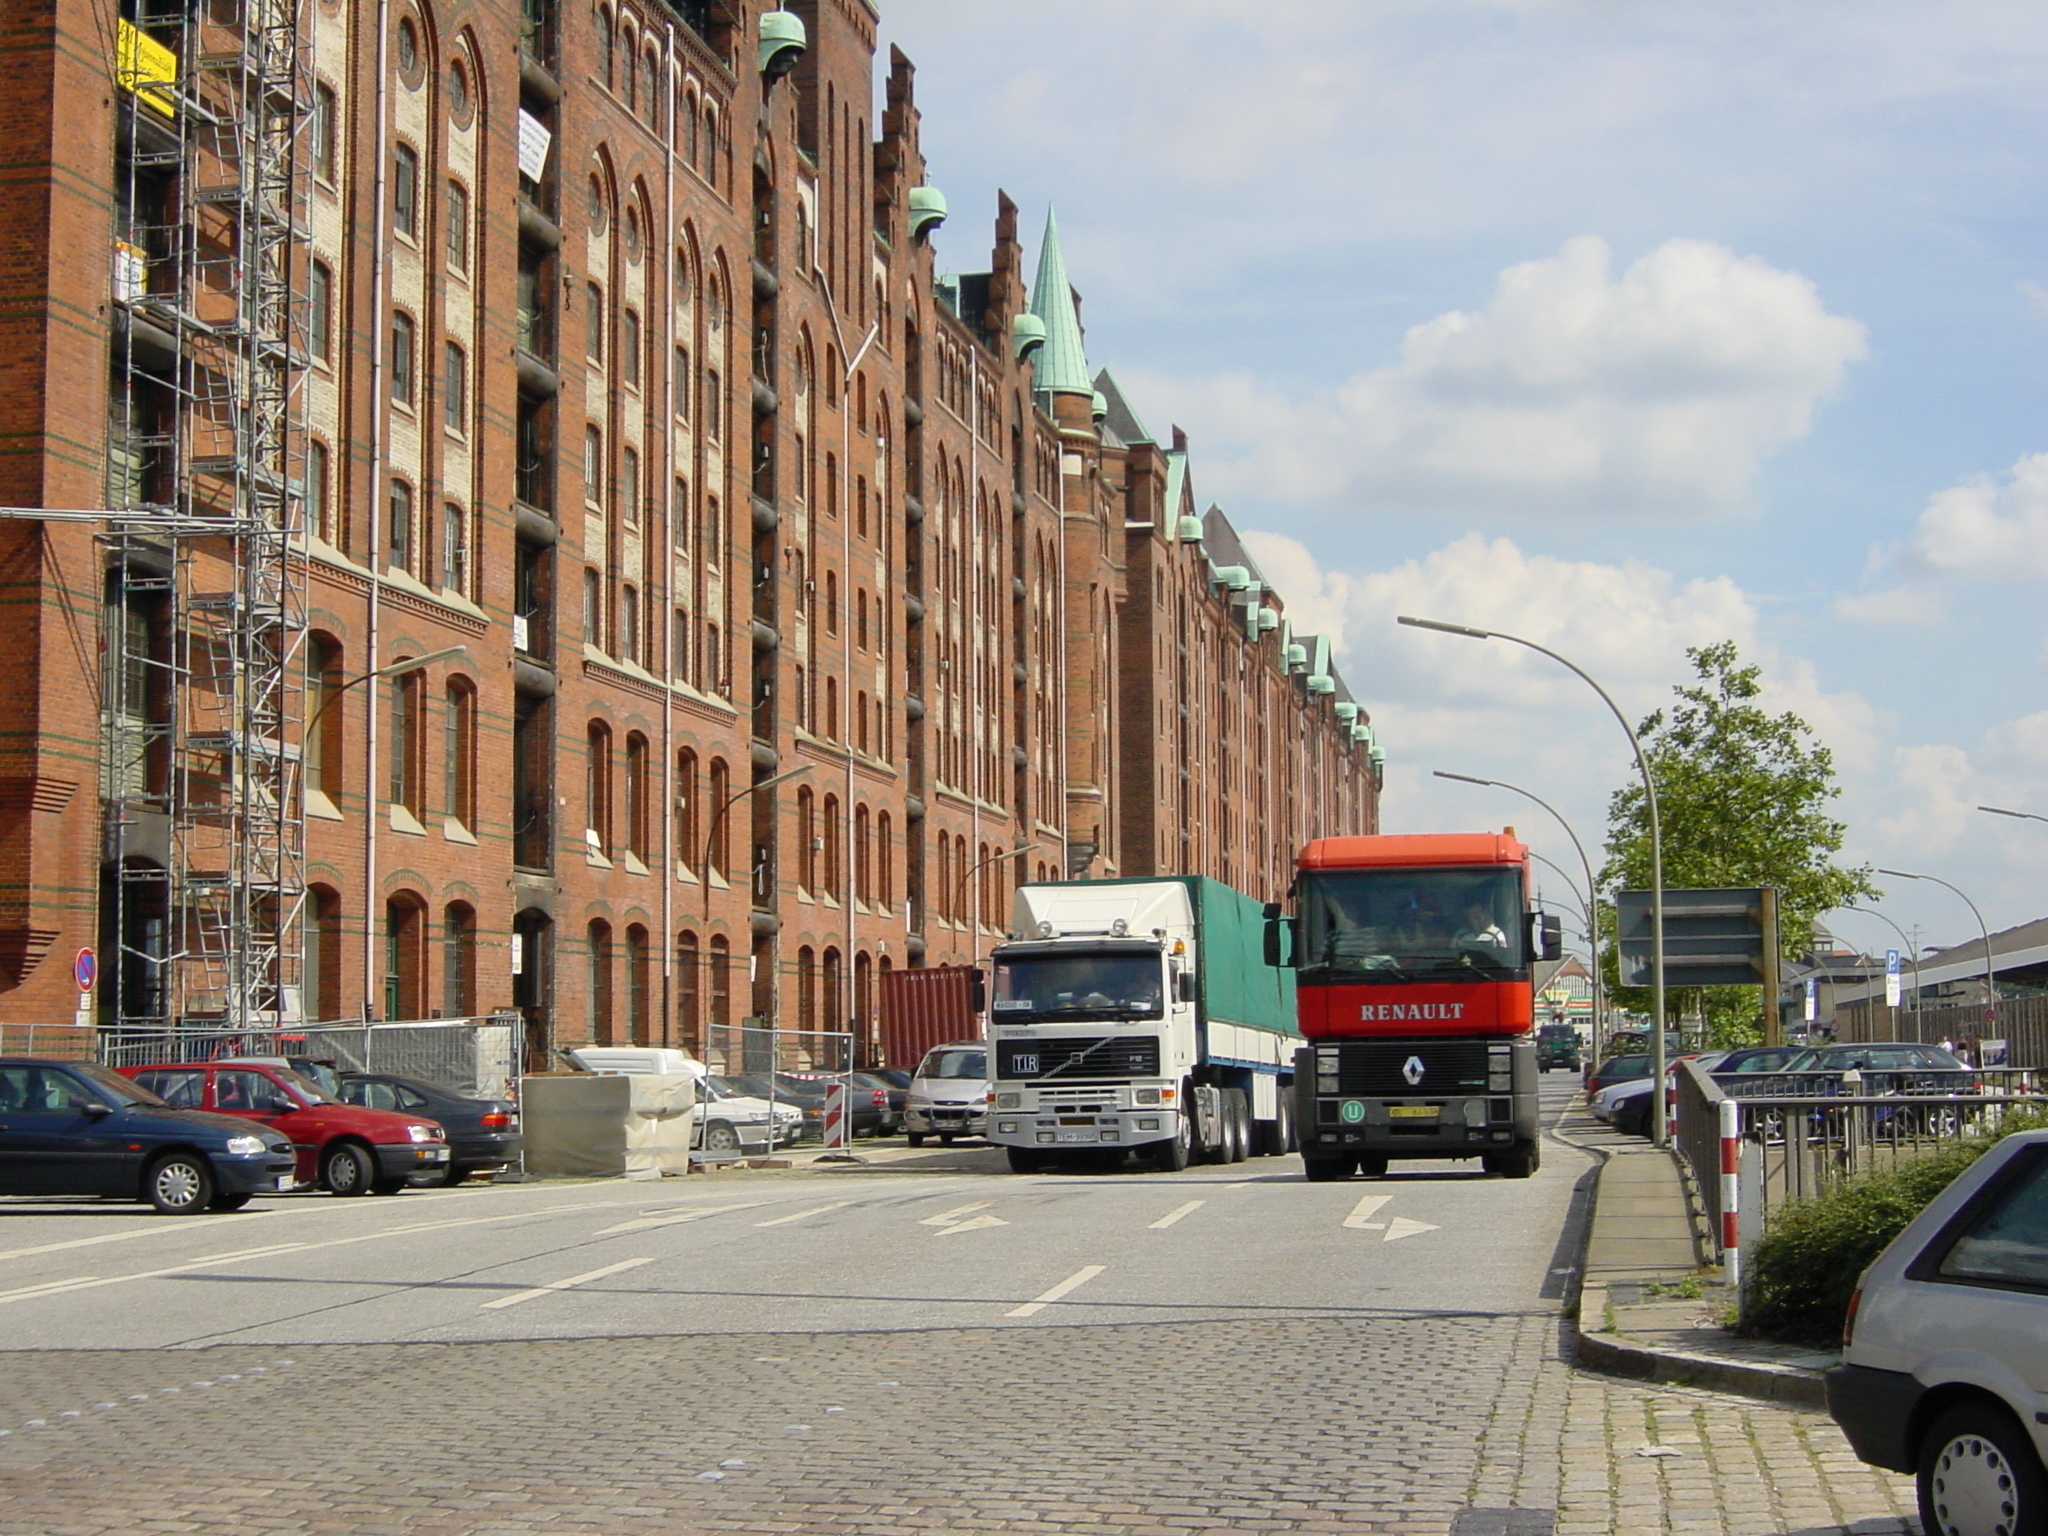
x,y
597,789
326,116
460,754
407,745
594,337
600,996
320,311
324,713
458,961
458,220
604,47
688,831
593,609
405,191
689,1008
458,94
832,708
679,517
860,609
714,406
455,387
863,858
628,81
679,645
681,385
629,346
593,466
401,525
2006,1244
720,833
401,358
638,838
806,989
629,484
885,864
832,834
629,622
319,513
831,602
320,982
807,840
408,46
638,979
454,548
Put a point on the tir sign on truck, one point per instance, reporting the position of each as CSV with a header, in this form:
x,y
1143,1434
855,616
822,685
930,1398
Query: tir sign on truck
x,y
1412,959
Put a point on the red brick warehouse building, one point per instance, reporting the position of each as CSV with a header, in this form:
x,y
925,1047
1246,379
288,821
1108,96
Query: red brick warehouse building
x,y
778,601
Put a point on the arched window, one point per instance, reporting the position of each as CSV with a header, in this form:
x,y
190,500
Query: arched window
x,y
710,161
401,525
937,903
605,49
320,981
593,608
863,858
408,742
832,708
639,835
885,863
806,989
404,957
458,960
689,994
832,603
597,789
598,955
807,839
721,991
863,999
833,833
629,623
689,825
721,833
834,1000
628,83
860,723
639,979
459,755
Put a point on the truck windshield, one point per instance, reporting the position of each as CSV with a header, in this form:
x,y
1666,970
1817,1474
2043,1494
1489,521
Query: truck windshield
x,y
1098,986
1396,925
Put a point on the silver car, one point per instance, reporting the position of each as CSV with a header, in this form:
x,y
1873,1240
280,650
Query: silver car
x,y
949,1095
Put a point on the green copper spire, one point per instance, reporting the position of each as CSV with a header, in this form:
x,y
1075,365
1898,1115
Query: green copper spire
x,y
1062,366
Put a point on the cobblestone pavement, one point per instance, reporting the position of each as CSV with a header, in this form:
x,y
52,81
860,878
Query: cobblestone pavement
x,y
1320,1425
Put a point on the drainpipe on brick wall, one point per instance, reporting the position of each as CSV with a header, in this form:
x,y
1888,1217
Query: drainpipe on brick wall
x,y
668,532
380,277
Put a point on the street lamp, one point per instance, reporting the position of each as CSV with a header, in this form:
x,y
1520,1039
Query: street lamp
x,y
718,820
1592,889
395,669
1998,810
1990,975
1907,949
1657,1127
960,905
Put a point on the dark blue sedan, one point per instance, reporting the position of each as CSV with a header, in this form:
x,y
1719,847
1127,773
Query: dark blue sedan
x,y
483,1134
73,1128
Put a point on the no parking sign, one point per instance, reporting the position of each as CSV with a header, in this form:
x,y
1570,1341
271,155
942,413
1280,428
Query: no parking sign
x,y
85,970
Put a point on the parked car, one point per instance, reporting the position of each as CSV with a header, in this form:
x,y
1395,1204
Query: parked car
x,y
321,1071
347,1150
888,1101
1628,1103
729,1121
73,1128
1757,1058
1557,1045
483,1134
1616,1069
867,1099
1944,1372
948,1097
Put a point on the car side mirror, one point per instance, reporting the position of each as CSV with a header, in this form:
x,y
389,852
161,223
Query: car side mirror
x,y
96,1109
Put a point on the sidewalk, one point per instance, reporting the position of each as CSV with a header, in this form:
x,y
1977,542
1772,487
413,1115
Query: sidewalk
x,y
1651,1299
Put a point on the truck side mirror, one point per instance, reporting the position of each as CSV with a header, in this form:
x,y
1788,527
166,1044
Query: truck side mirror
x,y
977,994
1183,986
1552,931
1274,922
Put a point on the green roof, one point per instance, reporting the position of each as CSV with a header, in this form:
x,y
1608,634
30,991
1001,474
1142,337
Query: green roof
x,y
1062,363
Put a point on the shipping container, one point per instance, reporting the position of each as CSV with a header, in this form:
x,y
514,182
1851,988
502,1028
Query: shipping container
x,y
925,1007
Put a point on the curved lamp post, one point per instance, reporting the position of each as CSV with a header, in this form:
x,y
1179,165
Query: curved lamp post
x,y
1592,890
718,822
960,905
1912,956
1990,975
1657,1052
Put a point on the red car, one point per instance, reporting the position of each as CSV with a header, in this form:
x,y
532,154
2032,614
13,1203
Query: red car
x,y
346,1149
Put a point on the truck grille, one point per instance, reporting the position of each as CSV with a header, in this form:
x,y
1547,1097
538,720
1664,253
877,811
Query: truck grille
x,y
1130,1056
1373,1068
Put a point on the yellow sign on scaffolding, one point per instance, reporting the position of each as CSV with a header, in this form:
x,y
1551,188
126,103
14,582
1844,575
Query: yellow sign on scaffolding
x,y
146,67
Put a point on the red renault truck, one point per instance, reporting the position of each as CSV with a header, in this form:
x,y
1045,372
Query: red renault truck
x,y
1413,959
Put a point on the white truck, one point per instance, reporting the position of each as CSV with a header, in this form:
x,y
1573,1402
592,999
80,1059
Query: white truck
x,y
1139,1016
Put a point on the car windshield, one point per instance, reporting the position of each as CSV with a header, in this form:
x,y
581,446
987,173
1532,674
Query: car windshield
x,y
1126,985
1621,1068
1396,925
958,1064
123,1091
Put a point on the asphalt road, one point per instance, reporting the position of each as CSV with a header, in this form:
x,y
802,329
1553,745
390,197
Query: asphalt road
x,y
889,1350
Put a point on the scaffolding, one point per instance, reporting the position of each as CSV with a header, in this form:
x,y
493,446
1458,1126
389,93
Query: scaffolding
x,y
204,623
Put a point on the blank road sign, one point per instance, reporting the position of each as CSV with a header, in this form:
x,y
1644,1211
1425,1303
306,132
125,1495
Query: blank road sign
x,y
1712,937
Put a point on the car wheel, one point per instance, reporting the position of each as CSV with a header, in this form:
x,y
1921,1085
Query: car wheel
x,y
348,1170
720,1137
180,1185
231,1202
1175,1153
915,1138
945,1140
1327,1170
1979,1476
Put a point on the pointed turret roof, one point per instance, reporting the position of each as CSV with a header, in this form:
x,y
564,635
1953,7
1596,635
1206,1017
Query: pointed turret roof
x,y
1062,364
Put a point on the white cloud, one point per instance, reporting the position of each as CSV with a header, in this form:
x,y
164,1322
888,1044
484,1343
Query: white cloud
x,y
1986,528
2036,297
1894,608
1658,391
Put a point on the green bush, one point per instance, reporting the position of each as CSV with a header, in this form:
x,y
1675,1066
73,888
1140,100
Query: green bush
x,y
1804,1269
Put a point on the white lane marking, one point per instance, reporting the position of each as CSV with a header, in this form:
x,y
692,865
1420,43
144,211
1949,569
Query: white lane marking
x,y
971,1224
47,1285
240,1219
1401,1227
1073,1282
816,1210
947,1218
1363,1212
1176,1213
562,1285
649,1223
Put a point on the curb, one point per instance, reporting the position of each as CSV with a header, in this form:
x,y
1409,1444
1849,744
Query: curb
x,y
1611,1355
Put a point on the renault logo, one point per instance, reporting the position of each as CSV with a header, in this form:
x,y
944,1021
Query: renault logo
x,y
1412,1069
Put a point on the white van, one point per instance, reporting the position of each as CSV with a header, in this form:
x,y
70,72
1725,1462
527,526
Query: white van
x,y
949,1095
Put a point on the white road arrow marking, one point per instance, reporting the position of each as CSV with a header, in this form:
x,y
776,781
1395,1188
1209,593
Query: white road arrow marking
x,y
947,1218
562,1285
971,1224
1401,1227
1362,1213
1176,1213
816,1210
1073,1282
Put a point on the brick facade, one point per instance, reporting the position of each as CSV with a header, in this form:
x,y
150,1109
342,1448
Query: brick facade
x,y
713,480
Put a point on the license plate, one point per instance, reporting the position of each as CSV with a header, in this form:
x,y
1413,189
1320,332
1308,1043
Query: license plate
x,y
1411,1111
284,1184
1076,1135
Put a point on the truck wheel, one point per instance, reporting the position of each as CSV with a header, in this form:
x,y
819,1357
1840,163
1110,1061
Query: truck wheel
x,y
1518,1162
1175,1153
1238,1121
1022,1161
1373,1164
1325,1170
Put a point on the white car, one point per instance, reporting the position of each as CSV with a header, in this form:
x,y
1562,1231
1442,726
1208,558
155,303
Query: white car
x,y
728,1122
1945,1359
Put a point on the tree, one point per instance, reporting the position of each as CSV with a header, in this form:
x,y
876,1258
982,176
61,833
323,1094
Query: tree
x,y
1743,799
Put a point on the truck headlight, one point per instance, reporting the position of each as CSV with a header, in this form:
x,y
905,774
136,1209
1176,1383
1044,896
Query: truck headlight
x,y
1147,1096
1009,1100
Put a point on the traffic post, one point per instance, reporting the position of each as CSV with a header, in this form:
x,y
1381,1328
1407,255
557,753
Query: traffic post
x,y
835,1115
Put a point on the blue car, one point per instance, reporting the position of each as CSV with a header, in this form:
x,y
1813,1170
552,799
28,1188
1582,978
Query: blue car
x,y
73,1128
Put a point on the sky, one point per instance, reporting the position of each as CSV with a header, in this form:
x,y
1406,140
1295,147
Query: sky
x,y
1622,325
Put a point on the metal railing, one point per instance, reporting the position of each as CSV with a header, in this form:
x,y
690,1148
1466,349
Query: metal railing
x,y
482,1056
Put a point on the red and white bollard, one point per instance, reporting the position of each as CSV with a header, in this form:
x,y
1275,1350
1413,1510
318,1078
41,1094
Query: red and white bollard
x,y
835,1117
1731,1192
